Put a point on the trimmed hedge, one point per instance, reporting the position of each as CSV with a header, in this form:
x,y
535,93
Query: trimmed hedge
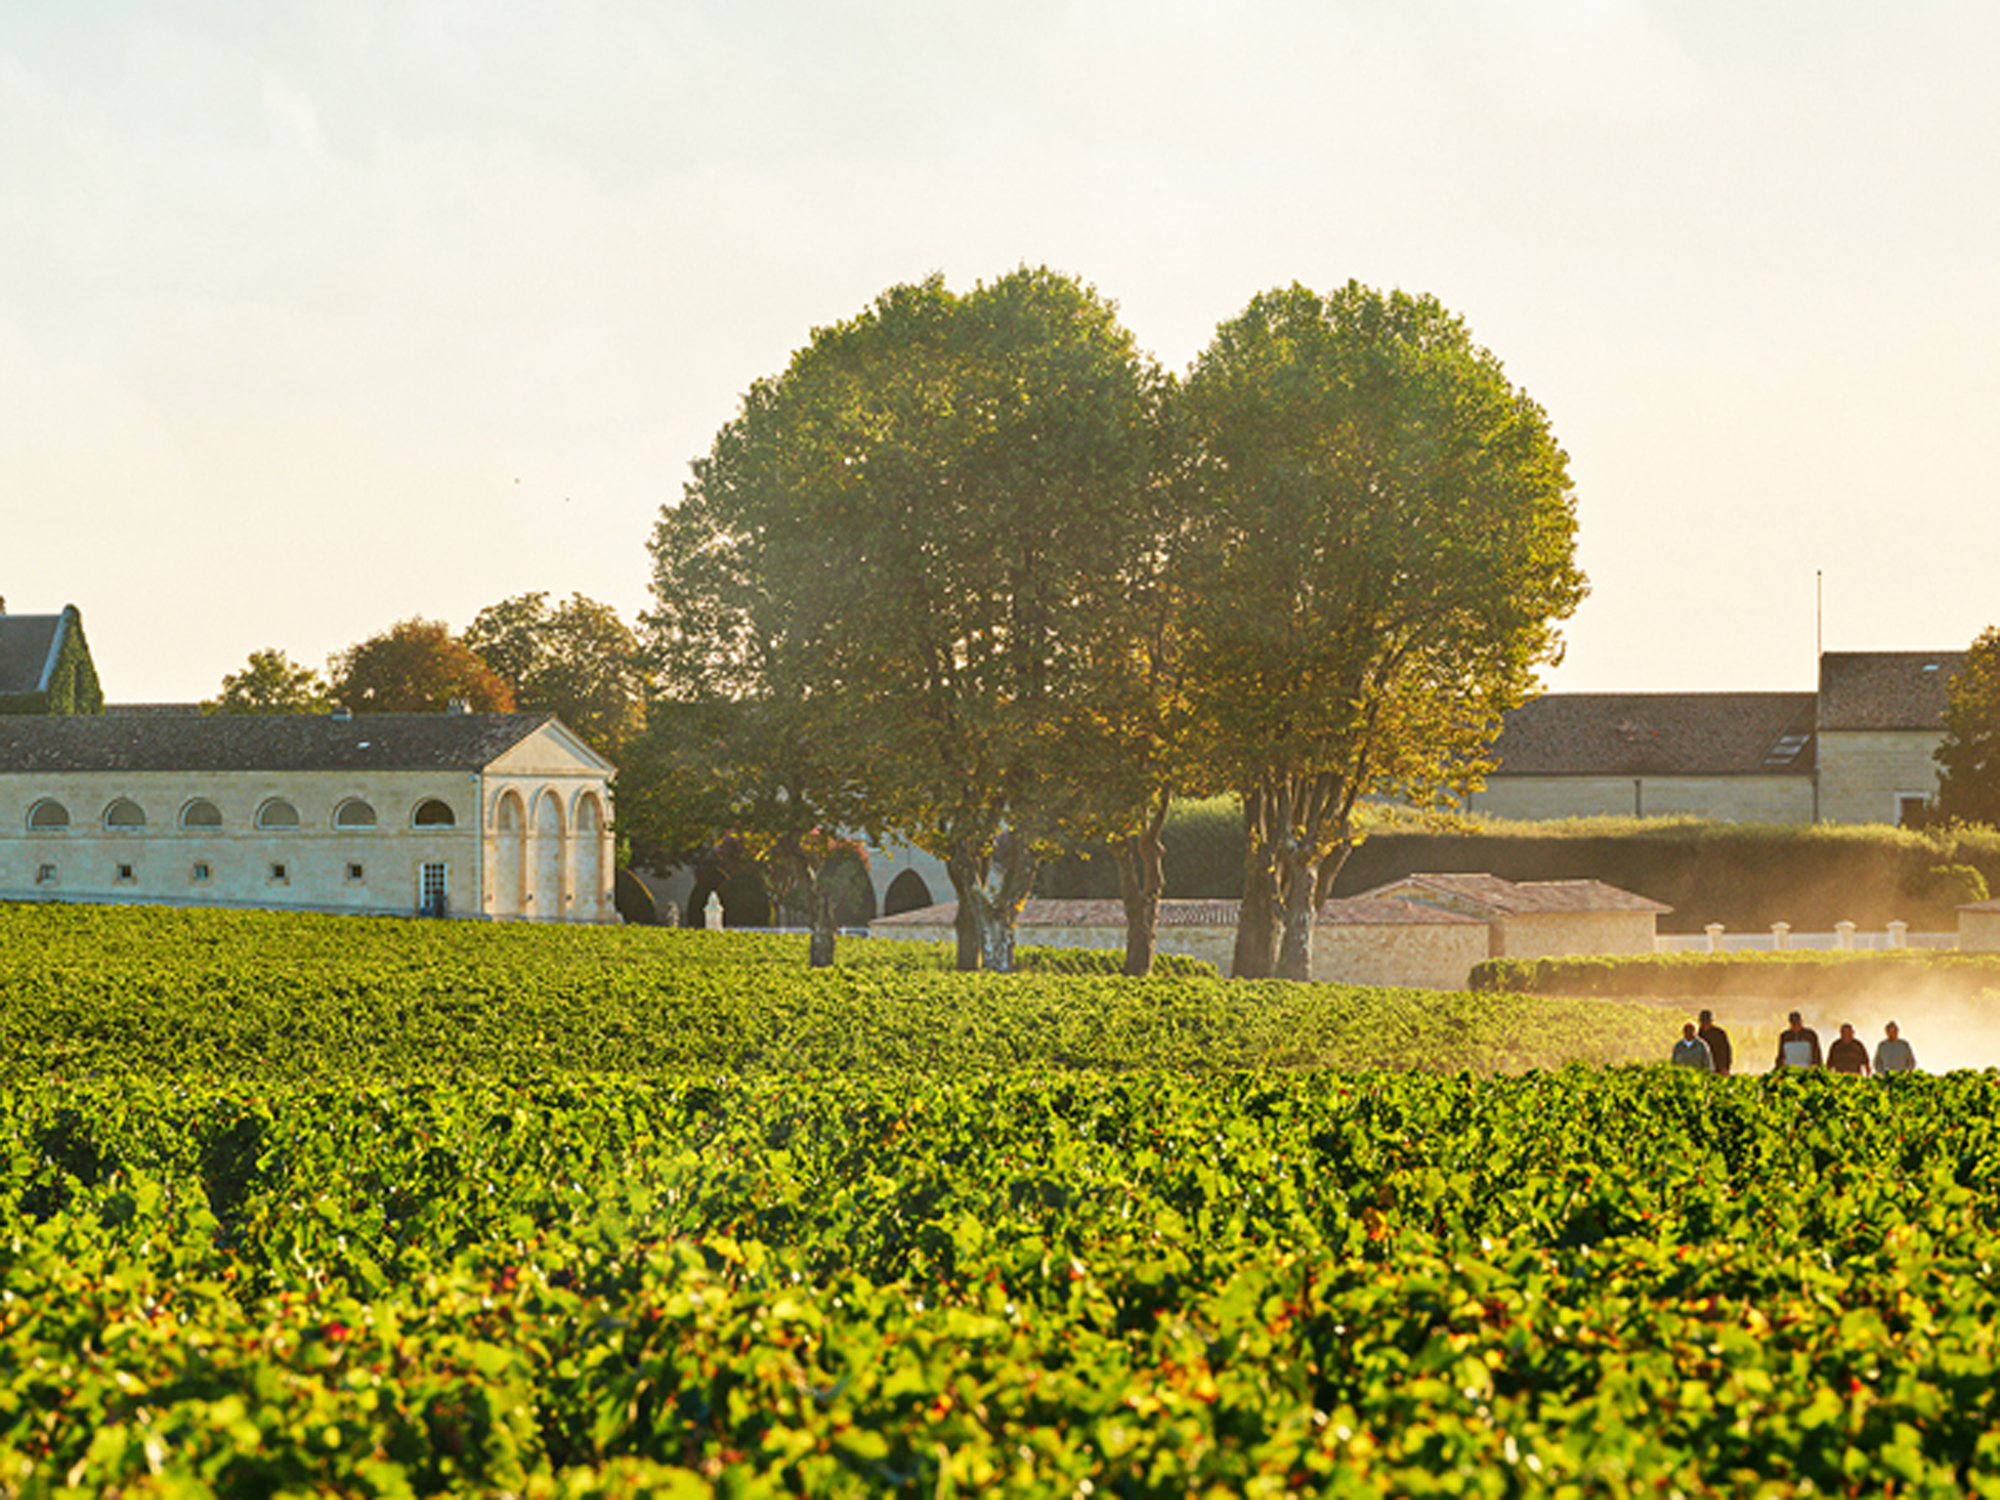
x,y
1774,976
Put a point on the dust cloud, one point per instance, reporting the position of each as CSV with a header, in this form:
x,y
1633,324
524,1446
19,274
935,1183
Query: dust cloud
x,y
1945,1027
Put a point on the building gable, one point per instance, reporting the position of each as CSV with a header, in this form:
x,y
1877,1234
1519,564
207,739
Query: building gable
x,y
45,665
552,749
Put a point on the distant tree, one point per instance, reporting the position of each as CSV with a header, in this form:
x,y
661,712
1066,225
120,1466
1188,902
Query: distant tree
x,y
577,660
918,540
1384,538
416,666
270,683
1968,756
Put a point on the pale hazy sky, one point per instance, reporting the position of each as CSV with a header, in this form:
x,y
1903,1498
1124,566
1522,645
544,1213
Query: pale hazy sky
x,y
316,314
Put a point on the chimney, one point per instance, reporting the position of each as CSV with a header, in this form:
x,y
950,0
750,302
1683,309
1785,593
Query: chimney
x,y
341,712
458,706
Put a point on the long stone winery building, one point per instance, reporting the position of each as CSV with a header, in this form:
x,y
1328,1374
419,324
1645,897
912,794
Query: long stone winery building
x,y
454,814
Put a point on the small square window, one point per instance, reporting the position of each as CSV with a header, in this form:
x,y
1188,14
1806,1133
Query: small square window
x,y
355,872
46,875
200,871
279,875
125,875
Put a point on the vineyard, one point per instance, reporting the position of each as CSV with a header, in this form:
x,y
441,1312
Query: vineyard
x,y
278,1251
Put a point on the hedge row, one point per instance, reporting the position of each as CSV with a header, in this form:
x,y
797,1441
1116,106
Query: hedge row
x,y
1817,977
1745,876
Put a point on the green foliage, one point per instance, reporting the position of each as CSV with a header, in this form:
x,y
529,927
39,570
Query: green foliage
x,y
270,683
1796,975
634,901
206,994
73,687
577,660
1968,756
416,666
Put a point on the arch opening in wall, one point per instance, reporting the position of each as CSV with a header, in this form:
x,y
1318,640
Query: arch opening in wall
x,y
547,899
907,892
354,813
48,815
588,899
124,813
510,834
201,813
277,813
434,812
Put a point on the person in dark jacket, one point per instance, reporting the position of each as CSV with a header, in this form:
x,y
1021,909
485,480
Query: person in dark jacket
x,y
1798,1045
1849,1054
1718,1043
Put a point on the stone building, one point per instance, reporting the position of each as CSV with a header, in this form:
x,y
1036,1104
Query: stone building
x,y
1538,918
45,665
455,814
1856,750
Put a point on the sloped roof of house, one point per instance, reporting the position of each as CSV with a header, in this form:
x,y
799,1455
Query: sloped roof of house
x,y
29,645
1352,911
260,742
1659,734
1507,898
1884,689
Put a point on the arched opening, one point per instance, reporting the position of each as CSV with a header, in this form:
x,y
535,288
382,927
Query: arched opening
x,y
432,812
48,815
588,871
907,892
354,813
201,813
124,813
277,813
510,856
548,898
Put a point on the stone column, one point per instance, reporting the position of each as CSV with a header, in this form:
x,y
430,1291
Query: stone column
x,y
1781,936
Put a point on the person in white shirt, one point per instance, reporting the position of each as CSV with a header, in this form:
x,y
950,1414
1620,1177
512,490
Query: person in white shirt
x,y
1893,1054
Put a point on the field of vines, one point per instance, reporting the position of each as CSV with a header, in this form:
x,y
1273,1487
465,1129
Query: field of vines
x,y
287,1212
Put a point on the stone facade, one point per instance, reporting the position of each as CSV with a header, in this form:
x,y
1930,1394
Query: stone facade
x,y
504,816
1539,918
1979,927
1867,775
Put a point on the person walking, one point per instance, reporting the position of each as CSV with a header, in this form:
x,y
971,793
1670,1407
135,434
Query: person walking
x,y
1893,1054
1849,1054
1718,1043
1798,1045
1692,1052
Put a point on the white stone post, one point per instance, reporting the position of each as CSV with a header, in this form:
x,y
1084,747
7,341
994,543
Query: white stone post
x,y
1843,936
1899,934
711,914
1714,931
1781,936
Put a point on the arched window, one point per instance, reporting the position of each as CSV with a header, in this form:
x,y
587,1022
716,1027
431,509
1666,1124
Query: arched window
x,y
354,813
48,814
124,813
201,813
433,813
277,813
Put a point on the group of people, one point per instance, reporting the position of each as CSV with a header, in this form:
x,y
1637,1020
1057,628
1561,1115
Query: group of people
x,y
1705,1046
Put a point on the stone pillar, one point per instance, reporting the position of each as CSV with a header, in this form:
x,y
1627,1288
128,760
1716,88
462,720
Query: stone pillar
x,y
1899,934
1781,936
1843,936
1714,931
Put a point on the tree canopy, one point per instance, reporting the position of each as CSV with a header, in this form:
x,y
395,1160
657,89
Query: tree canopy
x,y
917,547
577,660
270,683
1383,540
416,666
1968,757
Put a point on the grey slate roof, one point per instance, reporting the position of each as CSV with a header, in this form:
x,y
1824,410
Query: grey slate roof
x,y
260,742
1885,689
1659,734
27,650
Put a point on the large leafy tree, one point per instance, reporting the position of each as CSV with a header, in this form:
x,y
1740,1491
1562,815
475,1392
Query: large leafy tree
x,y
1384,541
914,549
577,660
1968,757
416,666
270,683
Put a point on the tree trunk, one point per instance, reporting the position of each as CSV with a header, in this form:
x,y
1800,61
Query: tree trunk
x,y
1257,916
819,917
1141,879
994,889
1298,880
964,882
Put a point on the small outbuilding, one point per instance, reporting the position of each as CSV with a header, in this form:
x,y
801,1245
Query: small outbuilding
x,y
1538,918
1979,927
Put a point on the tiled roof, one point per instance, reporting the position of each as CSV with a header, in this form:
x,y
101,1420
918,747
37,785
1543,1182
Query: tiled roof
x,y
1352,911
1519,898
1659,734
259,742
27,646
1885,689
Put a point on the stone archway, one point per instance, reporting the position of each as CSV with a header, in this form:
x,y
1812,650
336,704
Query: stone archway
x,y
548,904
510,857
907,892
587,871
